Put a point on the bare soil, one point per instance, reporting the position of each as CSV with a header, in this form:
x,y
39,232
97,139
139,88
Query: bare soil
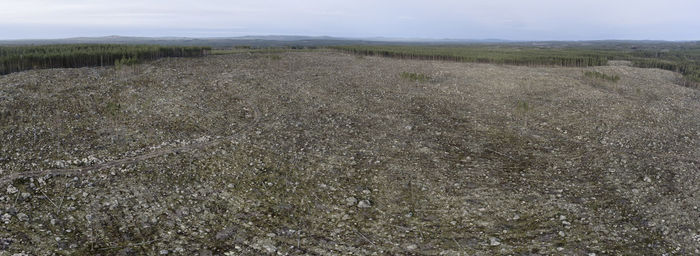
x,y
325,153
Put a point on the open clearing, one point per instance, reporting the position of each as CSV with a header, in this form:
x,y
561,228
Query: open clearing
x,y
333,154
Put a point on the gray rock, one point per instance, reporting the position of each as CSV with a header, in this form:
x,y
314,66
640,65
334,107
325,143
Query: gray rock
x,y
225,234
6,218
364,204
494,241
350,201
411,247
22,217
11,189
205,252
127,251
268,245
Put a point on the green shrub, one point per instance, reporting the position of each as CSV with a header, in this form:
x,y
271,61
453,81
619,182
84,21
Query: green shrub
x,y
598,75
416,77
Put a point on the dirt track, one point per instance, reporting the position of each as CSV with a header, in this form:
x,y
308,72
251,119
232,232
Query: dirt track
x,y
329,153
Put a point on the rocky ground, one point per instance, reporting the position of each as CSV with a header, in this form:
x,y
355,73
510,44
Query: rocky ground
x,y
325,153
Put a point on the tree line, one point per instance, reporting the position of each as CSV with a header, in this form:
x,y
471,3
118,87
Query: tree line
x,y
689,69
684,60
483,54
20,58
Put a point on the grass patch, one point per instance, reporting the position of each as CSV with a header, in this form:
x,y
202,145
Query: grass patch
x,y
416,77
113,108
601,76
273,57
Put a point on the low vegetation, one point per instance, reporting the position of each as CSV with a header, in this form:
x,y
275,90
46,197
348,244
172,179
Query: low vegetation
x,y
20,58
416,77
598,75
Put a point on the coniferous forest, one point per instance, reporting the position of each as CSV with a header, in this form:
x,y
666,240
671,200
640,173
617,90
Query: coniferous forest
x,y
486,54
19,58
679,58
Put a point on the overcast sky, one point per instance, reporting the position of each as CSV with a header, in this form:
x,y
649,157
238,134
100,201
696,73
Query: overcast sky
x,y
456,19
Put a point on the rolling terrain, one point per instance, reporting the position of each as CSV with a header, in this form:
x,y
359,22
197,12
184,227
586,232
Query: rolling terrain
x,y
328,153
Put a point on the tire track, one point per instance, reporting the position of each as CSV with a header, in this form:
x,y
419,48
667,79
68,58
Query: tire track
x,y
129,160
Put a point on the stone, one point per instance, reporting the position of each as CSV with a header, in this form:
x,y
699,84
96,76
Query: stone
x,y
225,233
350,201
268,246
494,241
6,218
364,204
22,217
11,189
411,247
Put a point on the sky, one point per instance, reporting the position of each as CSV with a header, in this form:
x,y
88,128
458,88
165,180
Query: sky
x,y
425,19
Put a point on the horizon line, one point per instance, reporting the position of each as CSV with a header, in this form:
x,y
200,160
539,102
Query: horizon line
x,y
368,38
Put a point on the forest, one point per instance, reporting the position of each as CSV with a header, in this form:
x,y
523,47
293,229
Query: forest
x,y
681,58
20,58
486,54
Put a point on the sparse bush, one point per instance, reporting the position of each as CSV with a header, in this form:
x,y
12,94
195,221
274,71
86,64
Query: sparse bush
x,y
126,62
523,107
113,108
273,57
598,75
416,77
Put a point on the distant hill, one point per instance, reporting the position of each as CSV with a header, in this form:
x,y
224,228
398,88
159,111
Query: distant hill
x,y
321,41
254,41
